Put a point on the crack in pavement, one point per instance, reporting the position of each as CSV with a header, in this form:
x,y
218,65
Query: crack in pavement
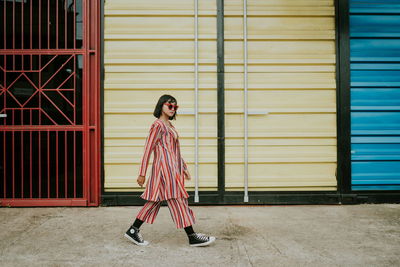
x,y
272,244
247,254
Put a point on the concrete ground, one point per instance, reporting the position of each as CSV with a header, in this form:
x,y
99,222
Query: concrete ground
x,y
300,235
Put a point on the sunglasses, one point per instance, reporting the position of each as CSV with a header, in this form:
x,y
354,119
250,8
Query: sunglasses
x,y
170,106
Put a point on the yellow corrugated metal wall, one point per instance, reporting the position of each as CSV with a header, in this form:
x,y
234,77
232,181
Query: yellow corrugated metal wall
x,y
149,51
291,76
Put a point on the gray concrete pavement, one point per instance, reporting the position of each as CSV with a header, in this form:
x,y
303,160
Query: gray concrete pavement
x,y
299,235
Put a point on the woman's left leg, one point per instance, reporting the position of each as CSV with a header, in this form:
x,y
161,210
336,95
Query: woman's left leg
x,y
182,215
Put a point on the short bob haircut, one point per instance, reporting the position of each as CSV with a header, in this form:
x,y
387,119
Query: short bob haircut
x,y
163,99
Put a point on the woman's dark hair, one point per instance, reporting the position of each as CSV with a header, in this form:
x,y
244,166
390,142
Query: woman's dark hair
x,y
158,109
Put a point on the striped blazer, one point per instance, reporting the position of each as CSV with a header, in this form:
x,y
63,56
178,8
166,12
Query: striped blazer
x,y
166,180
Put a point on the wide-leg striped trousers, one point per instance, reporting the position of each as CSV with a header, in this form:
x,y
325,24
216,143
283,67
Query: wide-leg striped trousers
x,y
181,213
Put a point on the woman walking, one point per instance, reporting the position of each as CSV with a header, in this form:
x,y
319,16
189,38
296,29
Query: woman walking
x,y
167,178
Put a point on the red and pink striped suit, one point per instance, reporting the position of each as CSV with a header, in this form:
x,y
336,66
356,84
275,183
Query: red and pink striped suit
x,y
166,180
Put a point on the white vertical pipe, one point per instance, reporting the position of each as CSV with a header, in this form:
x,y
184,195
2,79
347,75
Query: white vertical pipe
x,y
196,89
246,195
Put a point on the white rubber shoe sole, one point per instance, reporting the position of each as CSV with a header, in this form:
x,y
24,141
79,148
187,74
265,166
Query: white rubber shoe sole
x,y
145,243
212,239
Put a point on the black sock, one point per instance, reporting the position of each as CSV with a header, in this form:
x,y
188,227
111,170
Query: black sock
x,y
189,230
137,223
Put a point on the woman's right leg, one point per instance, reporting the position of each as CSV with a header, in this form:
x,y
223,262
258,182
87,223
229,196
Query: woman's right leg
x,y
182,215
149,211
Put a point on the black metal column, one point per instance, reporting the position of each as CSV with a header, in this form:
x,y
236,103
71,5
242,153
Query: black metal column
x,y
343,97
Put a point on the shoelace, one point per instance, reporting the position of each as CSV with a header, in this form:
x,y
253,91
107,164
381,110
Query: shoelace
x,y
139,235
201,236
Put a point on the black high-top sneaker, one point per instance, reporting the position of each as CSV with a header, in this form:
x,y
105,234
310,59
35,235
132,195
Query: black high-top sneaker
x,y
133,234
199,240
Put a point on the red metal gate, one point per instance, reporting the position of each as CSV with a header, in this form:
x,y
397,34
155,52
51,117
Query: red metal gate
x,y
49,103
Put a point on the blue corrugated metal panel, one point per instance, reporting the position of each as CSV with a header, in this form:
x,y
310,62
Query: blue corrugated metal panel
x,y
375,94
375,152
375,139
375,26
375,123
375,99
379,187
386,50
374,77
374,6
376,174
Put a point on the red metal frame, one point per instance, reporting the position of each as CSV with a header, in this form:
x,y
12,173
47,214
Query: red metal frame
x,y
90,127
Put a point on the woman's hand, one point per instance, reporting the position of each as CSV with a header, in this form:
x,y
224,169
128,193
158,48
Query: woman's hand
x,y
140,180
187,175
